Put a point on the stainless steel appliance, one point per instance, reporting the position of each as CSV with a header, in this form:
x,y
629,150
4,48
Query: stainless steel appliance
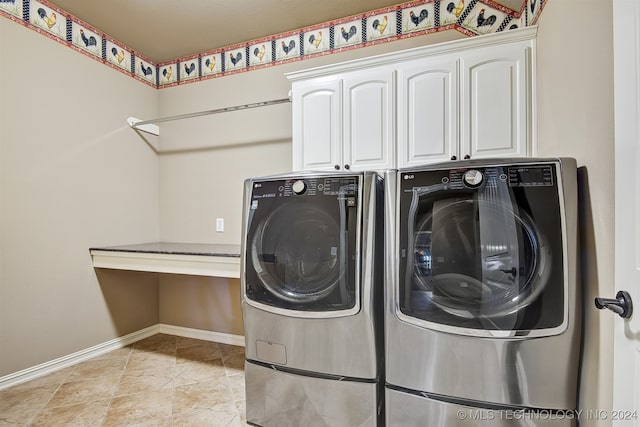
x,y
312,299
482,319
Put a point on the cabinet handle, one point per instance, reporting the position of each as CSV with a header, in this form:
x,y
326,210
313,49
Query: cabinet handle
x,y
467,157
337,167
454,158
347,167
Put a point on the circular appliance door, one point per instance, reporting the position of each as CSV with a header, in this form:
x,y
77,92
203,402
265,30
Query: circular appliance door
x,y
476,259
297,256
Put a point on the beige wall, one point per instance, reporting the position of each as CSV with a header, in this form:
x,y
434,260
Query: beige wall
x,y
207,303
575,118
72,175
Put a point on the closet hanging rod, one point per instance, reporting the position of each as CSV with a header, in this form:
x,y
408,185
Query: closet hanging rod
x,y
149,125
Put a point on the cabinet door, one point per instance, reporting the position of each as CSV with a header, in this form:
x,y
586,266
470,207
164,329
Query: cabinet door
x,y
427,111
368,137
495,98
317,125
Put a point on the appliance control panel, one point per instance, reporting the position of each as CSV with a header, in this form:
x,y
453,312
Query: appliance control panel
x,y
317,186
512,175
473,178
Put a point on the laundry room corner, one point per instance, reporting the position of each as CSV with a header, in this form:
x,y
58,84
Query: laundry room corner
x,y
378,214
575,59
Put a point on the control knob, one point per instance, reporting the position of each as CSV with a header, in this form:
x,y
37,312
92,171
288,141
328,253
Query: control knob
x,y
299,187
473,178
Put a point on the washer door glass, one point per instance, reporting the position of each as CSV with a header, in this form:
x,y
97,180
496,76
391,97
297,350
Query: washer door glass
x,y
298,258
301,248
477,258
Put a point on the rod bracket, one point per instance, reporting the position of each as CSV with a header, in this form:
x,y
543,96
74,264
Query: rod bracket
x,y
148,128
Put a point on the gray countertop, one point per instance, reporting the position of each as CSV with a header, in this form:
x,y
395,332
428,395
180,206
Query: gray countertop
x,y
204,249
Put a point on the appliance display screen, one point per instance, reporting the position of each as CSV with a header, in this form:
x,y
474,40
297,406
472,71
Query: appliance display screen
x,y
530,176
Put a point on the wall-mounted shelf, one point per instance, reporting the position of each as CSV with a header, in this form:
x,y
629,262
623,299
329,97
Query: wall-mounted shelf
x,y
149,126
177,258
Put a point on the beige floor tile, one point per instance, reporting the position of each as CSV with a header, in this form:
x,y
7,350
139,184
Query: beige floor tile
x,y
236,382
139,408
160,422
221,415
96,368
141,381
87,414
12,424
159,343
139,361
233,363
241,406
201,396
56,378
198,352
81,391
120,352
193,372
161,381
20,405
183,342
228,350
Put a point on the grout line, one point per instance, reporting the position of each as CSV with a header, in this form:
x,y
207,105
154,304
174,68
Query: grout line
x,y
173,379
115,392
37,414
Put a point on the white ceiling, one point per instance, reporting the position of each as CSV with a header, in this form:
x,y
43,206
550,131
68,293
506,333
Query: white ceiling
x,y
164,30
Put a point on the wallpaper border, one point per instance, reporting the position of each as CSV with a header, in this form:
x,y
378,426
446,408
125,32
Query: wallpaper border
x,y
409,19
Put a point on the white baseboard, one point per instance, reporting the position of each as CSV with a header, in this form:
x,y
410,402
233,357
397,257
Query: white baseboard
x,y
114,344
201,334
77,357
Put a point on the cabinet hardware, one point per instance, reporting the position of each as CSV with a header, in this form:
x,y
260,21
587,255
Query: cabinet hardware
x,y
621,305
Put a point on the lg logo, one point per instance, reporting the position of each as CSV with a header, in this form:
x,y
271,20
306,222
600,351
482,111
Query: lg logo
x,y
406,177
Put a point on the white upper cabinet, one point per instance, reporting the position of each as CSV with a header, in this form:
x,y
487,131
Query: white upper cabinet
x,y
464,99
496,105
427,111
344,122
317,125
368,138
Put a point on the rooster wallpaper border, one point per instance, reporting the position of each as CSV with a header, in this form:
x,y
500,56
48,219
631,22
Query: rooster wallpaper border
x,y
404,20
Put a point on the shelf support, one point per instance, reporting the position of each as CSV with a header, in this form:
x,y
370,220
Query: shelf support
x,y
150,127
138,124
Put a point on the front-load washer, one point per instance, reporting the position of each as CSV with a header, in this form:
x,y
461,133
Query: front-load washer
x,y
312,290
482,319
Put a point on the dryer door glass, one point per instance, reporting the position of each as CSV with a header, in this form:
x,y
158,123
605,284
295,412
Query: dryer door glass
x,y
301,247
481,252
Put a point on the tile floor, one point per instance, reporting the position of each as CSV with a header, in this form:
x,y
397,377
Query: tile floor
x,y
163,381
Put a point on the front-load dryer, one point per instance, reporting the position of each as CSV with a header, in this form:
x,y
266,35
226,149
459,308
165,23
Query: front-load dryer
x,y
312,305
482,319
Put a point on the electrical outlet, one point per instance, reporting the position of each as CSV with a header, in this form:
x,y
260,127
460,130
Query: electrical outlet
x,y
219,225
